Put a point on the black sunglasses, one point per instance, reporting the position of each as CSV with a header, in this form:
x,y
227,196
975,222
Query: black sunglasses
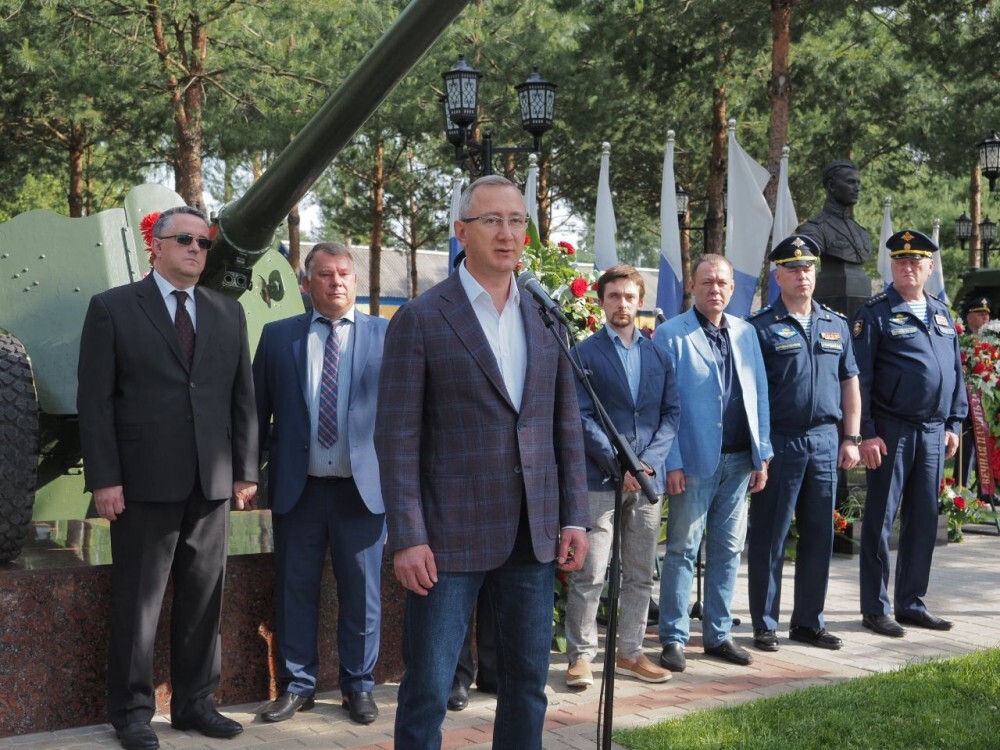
x,y
183,238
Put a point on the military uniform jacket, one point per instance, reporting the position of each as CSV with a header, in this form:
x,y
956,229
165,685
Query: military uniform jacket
x,y
838,234
804,374
910,371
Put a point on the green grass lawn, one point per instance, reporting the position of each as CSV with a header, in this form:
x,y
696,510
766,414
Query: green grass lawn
x,y
938,704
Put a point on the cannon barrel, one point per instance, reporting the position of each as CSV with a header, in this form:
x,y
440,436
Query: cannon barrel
x,y
245,229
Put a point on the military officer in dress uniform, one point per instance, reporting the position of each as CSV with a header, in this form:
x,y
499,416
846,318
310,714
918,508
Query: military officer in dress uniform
x,y
812,382
912,405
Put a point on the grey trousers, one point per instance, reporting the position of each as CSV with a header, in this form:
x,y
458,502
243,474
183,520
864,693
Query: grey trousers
x,y
640,532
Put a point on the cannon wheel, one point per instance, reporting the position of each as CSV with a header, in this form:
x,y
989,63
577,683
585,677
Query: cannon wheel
x,y
18,446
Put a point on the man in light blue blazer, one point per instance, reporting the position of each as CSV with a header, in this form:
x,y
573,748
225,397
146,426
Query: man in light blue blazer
x,y
317,375
722,449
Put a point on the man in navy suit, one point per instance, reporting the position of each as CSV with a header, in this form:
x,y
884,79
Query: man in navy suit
x,y
722,449
323,481
634,381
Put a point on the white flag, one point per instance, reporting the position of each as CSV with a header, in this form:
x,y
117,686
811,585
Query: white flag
x,y
531,188
884,261
670,286
605,229
749,223
785,220
935,284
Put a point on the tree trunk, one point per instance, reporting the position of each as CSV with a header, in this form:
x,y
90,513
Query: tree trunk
x,y
375,247
411,245
187,98
779,92
715,221
975,213
77,137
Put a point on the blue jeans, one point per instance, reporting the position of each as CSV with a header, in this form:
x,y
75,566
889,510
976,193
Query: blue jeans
x,y
718,503
433,632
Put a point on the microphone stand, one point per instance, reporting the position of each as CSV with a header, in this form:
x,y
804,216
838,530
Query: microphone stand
x,y
627,462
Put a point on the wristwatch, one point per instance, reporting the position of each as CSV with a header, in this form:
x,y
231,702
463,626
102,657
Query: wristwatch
x,y
856,439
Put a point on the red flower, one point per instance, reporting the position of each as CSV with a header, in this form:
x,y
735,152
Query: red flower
x,y
960,503
949,481
579,287
146,227
519,266
979,368
568,248
958,327
591,322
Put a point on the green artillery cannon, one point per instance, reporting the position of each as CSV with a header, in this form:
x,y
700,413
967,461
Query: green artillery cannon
x,y
50,266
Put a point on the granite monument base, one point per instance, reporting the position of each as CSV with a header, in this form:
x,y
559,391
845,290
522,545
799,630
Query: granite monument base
x,y
54,604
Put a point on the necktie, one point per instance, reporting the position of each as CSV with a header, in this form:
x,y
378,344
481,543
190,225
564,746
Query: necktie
x,y
326,430
185,329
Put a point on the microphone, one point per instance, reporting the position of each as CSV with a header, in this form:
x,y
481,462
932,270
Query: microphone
x,y
660,317
528,282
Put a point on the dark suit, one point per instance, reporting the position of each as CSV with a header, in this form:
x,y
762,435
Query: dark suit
x,y
649,423
312,514
175,437
476,479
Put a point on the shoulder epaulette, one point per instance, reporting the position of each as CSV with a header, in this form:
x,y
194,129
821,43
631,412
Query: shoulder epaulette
x,y
761,311
876,299
835,312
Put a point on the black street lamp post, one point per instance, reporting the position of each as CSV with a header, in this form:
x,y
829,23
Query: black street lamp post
x,y
987,235
989,158
963,230
536,97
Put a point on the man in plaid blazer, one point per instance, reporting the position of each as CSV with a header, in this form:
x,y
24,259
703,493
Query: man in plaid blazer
x,y
480,447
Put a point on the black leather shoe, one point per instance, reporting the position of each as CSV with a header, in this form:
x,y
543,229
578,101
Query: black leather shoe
x,y
924,619
765,640
883,625
209,722
730,652
362,707
286,706
458,699
672,657
815,637
138,736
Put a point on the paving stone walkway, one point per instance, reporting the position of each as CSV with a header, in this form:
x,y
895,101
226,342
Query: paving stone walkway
x,y
965,588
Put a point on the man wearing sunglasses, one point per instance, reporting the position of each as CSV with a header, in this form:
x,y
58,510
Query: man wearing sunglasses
x,y
168,426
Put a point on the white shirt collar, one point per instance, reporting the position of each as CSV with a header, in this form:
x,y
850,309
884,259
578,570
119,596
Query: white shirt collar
x,y
474,289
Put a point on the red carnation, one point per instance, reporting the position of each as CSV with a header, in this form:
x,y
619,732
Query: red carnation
x,y
949,481
579,287
570,250
958,327
960,503
591,322
979,368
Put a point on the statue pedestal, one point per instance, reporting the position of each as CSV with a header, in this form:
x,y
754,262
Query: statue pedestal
x,y
843,286
54,639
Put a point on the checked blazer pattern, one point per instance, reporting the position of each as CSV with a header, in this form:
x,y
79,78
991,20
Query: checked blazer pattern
x,y
457,459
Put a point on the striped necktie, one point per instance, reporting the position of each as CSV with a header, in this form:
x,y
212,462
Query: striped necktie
x,y
327,419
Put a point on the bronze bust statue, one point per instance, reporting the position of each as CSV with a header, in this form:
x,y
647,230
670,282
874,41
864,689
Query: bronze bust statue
x,y
834,228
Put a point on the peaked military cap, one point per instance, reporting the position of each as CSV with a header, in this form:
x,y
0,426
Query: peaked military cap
x,y
909,243
979,304
797,250
832,166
